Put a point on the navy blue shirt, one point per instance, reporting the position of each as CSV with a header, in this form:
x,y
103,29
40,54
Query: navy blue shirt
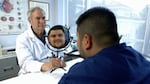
x,y
118,64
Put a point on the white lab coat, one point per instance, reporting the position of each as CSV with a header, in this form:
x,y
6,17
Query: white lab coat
x,y
30,52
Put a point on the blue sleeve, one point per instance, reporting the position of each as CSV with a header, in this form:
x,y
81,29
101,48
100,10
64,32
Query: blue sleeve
x,y
78,74
72,76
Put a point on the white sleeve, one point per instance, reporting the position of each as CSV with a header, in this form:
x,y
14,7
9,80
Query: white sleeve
x,y
25,58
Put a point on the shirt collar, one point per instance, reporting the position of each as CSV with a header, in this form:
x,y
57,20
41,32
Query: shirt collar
x,y
42,38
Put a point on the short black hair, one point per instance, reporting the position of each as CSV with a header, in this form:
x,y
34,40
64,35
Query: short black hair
x,y
98,21
56,27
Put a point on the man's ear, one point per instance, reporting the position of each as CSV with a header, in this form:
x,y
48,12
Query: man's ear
x,y
29,19
87,41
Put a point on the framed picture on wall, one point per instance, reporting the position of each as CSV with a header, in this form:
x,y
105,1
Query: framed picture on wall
x,y
43,5
12,17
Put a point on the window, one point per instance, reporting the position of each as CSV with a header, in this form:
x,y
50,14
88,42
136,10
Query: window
x,y
133,18
75,8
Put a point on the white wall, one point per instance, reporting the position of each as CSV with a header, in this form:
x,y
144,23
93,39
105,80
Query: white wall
x,y
10,40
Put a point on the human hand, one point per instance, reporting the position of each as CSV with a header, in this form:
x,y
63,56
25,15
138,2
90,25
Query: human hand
x,y
54,63
62,66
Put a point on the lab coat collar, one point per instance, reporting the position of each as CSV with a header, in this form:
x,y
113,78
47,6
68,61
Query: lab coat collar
x,y
33,36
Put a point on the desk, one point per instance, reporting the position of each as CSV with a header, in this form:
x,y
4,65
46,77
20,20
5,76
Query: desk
x,y
41,77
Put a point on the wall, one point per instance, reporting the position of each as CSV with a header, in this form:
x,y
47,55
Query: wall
x,y
10,40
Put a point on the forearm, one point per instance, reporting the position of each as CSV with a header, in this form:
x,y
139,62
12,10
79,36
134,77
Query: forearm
x,y
26,60
54,63
32,66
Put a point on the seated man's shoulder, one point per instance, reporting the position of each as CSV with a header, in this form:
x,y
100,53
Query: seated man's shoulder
x,y
23,36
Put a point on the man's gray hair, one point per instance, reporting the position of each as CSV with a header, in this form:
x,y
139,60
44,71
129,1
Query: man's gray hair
x,y
29,13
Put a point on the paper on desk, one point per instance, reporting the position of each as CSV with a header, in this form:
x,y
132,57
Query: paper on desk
x,y
34,78
41,78
58,73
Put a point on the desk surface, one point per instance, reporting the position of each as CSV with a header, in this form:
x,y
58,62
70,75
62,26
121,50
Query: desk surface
x,y
41,78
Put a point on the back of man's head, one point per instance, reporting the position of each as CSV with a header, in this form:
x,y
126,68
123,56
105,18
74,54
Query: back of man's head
x,y
100,23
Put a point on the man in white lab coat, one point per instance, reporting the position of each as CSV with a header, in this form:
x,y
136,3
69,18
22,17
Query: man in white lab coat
x,y
31,46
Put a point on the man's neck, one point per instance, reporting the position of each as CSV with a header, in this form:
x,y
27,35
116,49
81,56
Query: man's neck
x,y
38,34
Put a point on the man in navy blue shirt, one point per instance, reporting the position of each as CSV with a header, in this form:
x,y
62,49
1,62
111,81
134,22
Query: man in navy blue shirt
x,y
107,61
